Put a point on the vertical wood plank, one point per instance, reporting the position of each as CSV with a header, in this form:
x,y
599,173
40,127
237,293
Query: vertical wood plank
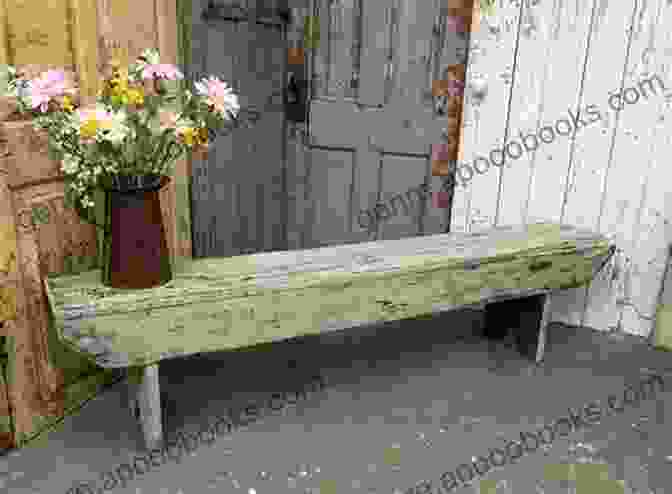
x,y
174,197
651,232
9,277
298,177
485,119
86,56
372,70
624,189
590,157
264,150
4,20
531,86
564,72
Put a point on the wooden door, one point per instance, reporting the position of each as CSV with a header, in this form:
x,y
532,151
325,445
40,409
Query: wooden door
x,y
373,120
35,389
237,192
41,380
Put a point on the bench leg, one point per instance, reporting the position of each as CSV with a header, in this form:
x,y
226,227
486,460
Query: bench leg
x,y
543,327
149,405
132,399
527,317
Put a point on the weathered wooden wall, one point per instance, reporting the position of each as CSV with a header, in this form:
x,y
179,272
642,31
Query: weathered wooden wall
x,y
238,198
539,61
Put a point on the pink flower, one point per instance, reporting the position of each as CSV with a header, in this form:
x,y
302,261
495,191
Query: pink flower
x,y
95,113
161,71
219,95
49,85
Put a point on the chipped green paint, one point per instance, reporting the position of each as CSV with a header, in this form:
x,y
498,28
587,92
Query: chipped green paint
x,y
488,6
663,332
588,478
311,31
216,304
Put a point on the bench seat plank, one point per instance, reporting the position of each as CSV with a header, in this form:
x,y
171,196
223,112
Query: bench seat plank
x,y
216,304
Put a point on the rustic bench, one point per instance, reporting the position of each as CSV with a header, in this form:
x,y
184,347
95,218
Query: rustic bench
x,y
216,304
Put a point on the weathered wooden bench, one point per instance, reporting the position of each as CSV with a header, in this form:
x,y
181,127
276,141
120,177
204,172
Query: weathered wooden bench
x,y
216,304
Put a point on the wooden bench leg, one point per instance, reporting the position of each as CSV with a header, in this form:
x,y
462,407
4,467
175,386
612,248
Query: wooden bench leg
x,y
527,317
149,405
132,398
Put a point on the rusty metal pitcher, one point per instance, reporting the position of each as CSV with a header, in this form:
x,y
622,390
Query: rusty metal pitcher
x,y
135,251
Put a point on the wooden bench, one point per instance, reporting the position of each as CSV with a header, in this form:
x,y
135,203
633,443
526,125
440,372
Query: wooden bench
x,y
216,304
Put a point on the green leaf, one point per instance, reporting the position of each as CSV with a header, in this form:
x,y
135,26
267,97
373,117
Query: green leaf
x,y
5,77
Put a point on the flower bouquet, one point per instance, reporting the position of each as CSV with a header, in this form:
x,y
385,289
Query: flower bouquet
x,y
144,119
142,122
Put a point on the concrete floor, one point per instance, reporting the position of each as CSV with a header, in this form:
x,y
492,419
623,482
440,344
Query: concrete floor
x,y
403,403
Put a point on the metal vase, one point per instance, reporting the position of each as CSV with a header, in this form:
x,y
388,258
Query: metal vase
x,y
135,251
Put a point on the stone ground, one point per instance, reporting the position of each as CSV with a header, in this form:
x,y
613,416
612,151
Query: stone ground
x,y
401,403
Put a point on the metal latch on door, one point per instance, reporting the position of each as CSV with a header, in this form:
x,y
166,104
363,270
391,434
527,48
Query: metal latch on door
x,y
296,97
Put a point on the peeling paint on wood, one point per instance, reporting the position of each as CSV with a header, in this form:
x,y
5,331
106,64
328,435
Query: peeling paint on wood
x,y
233,302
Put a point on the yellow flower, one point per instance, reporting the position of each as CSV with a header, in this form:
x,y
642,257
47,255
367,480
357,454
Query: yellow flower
x,y
67,103
189,134
118,86
135,96
89,128
203,136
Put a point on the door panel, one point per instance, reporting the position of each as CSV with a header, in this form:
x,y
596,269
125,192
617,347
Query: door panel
x,y
385,121
330,212
404,207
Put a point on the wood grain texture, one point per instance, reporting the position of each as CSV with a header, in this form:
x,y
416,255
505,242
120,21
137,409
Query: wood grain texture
x,y
45,378
244,300
586,51
50,239
624,192
237,191
485,119
591,148
84,31
9,277
39,35
651,233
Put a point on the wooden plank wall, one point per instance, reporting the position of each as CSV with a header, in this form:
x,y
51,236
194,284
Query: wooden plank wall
x,y
562,55
238,191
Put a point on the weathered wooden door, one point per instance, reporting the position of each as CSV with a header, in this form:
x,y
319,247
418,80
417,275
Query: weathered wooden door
x,y
237,193
372,120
